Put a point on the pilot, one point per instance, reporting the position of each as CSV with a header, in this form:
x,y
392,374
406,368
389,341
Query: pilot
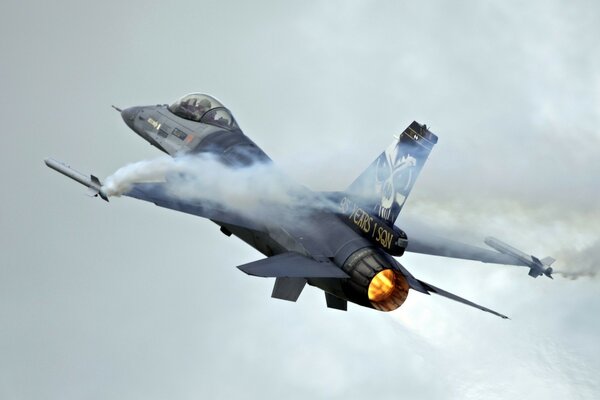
x,y
187,103
187,107
201,107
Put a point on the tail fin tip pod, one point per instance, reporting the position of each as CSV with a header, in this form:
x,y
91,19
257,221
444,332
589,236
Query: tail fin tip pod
x,y
384,186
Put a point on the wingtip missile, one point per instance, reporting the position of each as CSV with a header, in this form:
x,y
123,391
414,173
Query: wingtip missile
x,y
536,266
90,181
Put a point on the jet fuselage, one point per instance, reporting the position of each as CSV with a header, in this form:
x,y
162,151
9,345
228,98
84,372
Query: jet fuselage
x,y
323,236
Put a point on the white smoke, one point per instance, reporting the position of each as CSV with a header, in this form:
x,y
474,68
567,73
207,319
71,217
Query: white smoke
x,y
254,191
142,171
581,263
261,191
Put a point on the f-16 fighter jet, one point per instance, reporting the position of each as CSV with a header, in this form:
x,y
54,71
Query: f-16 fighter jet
x,y
345,243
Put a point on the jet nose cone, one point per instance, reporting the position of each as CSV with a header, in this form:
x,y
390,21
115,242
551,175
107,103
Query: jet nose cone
x,y
129,115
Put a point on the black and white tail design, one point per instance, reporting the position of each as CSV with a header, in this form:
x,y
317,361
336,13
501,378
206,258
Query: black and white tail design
x,y
384,186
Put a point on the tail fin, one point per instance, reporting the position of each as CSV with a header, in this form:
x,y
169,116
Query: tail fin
x,y
384,186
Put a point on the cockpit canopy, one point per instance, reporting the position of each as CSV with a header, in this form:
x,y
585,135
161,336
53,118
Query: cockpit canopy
x,y
205,109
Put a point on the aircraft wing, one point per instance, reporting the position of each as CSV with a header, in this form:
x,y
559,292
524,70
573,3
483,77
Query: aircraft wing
x,y
295,237
438,246
425,239
291,271
158,194
421,242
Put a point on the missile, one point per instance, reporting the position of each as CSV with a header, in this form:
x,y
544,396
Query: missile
x,y
536,266
90,181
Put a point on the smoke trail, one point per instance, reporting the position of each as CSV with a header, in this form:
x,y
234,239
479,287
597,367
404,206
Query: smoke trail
x,y
260,191
582,263
255,191
142,171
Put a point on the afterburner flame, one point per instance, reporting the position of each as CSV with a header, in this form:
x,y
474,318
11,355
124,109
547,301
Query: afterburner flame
x,y
382,285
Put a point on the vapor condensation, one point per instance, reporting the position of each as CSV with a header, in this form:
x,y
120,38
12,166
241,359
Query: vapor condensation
x,y
582,263
142,171
257,190
254,191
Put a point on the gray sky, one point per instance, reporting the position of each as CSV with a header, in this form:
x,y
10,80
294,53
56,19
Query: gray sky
x,y
129,301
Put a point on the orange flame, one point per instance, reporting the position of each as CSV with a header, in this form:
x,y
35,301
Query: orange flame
x,y
382,285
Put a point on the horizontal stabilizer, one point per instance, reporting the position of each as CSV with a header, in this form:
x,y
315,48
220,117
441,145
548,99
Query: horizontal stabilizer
x,y
454,297
292,265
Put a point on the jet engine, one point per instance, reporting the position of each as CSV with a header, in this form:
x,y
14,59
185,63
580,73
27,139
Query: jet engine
x,y
374,281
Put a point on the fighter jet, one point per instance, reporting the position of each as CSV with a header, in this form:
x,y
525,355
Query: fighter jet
x,y
348,248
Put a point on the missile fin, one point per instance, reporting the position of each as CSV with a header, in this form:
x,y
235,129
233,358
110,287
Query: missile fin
x,y
548,261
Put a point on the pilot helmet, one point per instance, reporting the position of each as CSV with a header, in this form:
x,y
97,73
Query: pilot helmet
x,y
204,104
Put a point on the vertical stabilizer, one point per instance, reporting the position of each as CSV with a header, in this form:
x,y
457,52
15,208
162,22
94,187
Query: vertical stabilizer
x,y
384,186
